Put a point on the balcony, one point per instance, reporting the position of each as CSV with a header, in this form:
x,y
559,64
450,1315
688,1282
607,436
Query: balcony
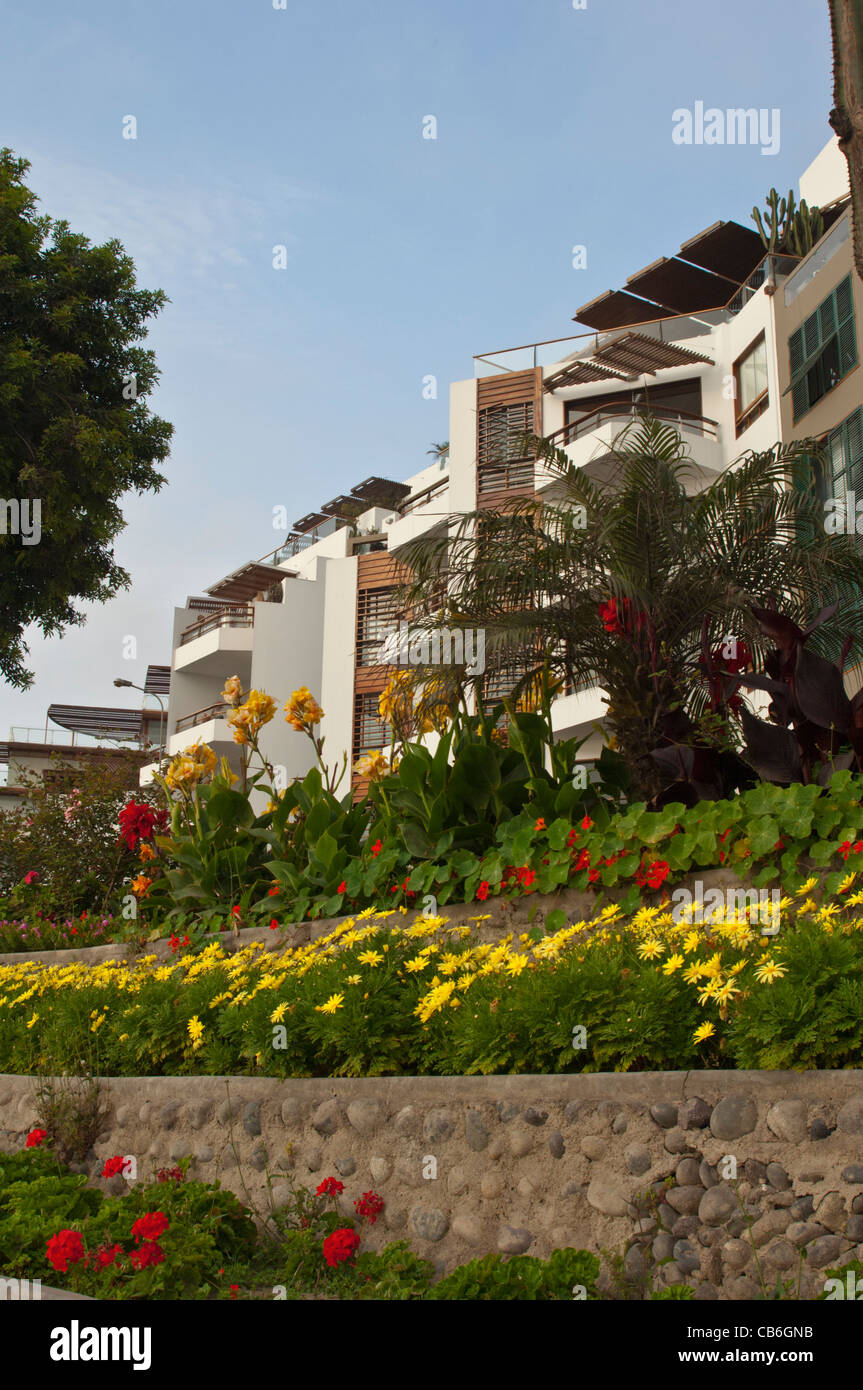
x,y
420,514
589,441
208,725
204,644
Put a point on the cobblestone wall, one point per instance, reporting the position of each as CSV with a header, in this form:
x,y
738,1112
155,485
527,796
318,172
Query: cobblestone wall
x,y
728,1176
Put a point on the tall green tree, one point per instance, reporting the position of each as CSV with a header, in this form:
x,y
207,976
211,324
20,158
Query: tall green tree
x,y
623,584
75,429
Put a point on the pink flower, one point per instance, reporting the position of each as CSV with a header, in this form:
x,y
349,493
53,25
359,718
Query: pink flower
x,y
32,877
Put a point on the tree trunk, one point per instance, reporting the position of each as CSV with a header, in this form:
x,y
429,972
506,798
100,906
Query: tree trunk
x,y
846,118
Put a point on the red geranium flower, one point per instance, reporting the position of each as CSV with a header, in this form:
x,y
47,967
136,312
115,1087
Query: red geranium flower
x,y
113,1166
169,1175
274,926
106,1255
340,1245
35,1138
271,892
149,1254
482,891
587,823
150,1226
342,888
376,848
330,1187
845,848
540,825
32,877
64,1249
369,1206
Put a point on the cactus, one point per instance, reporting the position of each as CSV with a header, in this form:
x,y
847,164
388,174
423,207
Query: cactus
x,y
846,118
785,227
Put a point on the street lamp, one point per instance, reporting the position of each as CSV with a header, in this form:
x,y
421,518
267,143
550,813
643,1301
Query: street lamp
x,y
131,685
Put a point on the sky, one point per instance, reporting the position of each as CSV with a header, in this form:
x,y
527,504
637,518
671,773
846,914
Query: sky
x,y
303,127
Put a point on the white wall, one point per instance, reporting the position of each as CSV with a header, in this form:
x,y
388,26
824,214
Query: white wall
x,y
339,646
826,178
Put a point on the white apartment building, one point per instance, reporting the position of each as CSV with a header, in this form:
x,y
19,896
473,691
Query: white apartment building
x,y
738,349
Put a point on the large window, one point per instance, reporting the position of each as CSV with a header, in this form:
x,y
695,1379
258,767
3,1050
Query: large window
x,y
823,349
750,385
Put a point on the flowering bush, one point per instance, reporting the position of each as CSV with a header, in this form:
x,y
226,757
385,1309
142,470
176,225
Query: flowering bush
x,y
59,852
340,1245
164,1241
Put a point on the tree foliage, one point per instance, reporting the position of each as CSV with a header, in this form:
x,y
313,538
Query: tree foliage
x,y
75,429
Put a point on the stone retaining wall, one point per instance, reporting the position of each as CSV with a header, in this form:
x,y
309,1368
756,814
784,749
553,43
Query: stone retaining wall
x,y
492,920
530,1163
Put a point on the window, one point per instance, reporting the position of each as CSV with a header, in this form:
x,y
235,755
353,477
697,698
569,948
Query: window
x,y
823,349
370,731
683,396
844,460
501,457
376,618
751,397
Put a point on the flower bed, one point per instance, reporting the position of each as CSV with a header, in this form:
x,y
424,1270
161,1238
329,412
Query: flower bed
x,y
169,1238
654,990
39,933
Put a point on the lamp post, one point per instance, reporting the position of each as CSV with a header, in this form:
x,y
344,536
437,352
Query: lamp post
x,y
120,681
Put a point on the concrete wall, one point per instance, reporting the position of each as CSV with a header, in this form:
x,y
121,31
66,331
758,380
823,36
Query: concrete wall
x,y
287,655
720,1174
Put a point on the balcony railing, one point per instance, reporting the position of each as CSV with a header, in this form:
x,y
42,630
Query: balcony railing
x,y
623,410
226,617
421,499
61,737
201,716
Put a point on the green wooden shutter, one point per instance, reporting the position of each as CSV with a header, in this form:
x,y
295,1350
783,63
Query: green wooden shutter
x,y
832,320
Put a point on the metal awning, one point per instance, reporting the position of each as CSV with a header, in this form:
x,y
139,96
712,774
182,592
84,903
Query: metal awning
x,y
680,287
726,248
639,353
617,309
99,721
158,680
246,582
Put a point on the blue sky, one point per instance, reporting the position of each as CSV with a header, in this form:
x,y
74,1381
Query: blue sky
x,y
303,127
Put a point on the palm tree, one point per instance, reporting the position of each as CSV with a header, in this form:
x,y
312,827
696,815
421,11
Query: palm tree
x,y
628,584
439,451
